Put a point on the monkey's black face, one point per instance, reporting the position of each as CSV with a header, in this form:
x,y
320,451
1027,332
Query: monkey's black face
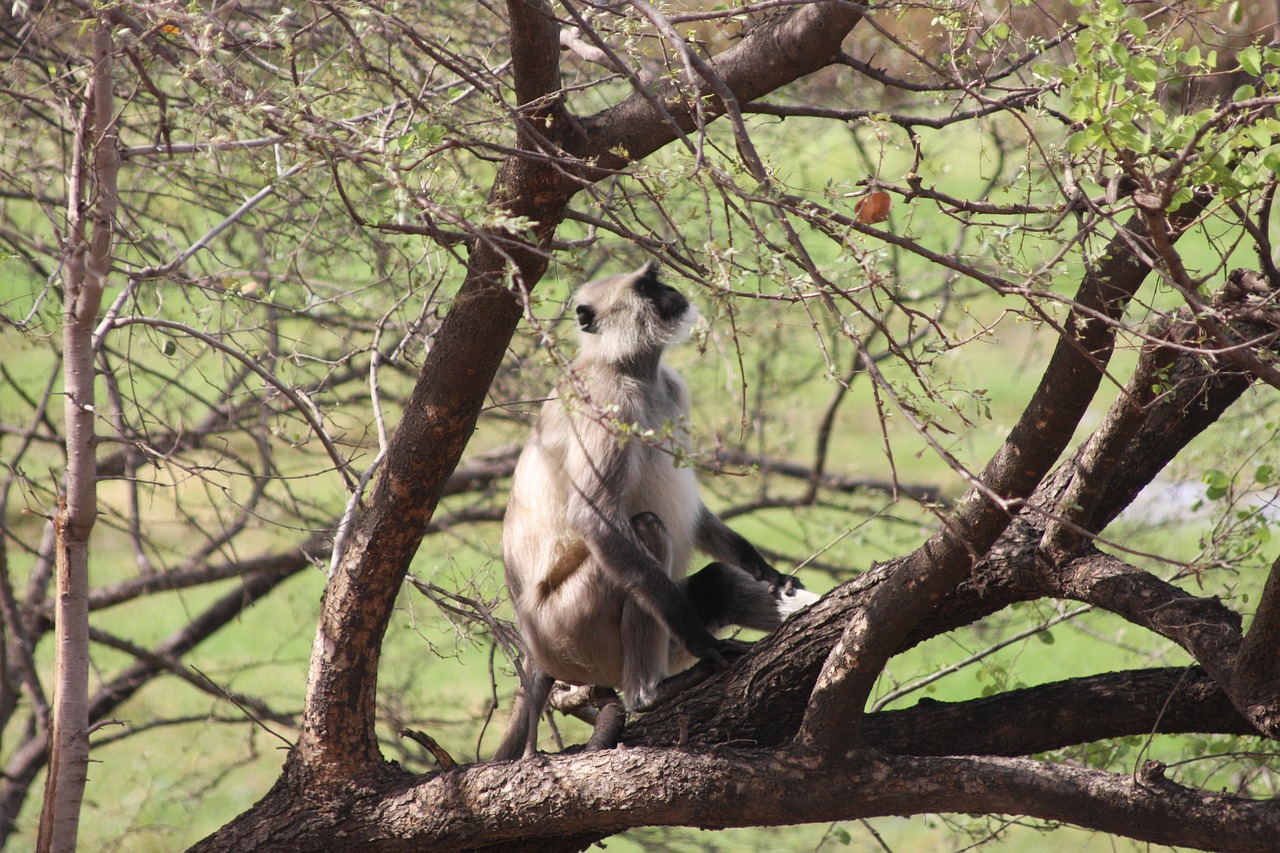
x,y
669,303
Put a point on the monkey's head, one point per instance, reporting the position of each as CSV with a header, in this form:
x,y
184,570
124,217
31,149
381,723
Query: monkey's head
x,y
631,316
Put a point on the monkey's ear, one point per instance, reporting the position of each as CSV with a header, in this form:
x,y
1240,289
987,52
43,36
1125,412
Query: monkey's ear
x,y
587,319
649,273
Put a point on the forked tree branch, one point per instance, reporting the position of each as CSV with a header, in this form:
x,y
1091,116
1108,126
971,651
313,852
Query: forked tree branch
x,y
968,532
1197,392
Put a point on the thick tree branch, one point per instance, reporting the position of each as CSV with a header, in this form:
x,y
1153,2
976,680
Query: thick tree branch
x,y
1185,389
1195,393
778,52
468,809
535,50
1208,630
1061,714
973,527
1256,687
338,740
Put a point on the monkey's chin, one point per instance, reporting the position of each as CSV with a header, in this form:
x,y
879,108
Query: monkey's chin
x,y
681,332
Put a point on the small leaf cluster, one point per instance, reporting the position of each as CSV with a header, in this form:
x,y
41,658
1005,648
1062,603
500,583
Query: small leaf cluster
x,y
1124,95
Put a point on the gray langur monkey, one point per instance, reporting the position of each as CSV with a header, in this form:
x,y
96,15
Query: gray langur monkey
x,y
599,529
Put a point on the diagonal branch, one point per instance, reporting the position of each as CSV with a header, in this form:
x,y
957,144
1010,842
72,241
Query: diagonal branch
x,y
1196,392
935,570
338,741
772,55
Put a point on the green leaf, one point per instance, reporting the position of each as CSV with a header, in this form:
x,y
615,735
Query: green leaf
x,y
1144,71
1244,93
430,134
1218,482
1136,27
1080,111
1078,143
1250,60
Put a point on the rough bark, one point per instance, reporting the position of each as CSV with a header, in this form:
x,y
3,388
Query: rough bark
x,y
1256,681
338,740
600,793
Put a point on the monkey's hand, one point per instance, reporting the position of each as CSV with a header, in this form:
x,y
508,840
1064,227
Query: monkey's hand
x,y
779,584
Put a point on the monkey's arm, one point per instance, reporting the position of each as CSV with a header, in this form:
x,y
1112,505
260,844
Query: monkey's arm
x,y
598,515
629,564
719,541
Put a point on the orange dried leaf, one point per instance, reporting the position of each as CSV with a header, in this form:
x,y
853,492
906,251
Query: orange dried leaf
x,y
873,207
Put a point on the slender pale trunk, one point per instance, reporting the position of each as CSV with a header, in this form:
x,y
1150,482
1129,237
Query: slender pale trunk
x,y
92,187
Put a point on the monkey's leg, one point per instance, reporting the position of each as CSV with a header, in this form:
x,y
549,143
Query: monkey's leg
x,y
599,706
646,644
521,736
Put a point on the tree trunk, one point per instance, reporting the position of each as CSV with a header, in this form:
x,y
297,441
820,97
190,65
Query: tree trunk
x,y
87,262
